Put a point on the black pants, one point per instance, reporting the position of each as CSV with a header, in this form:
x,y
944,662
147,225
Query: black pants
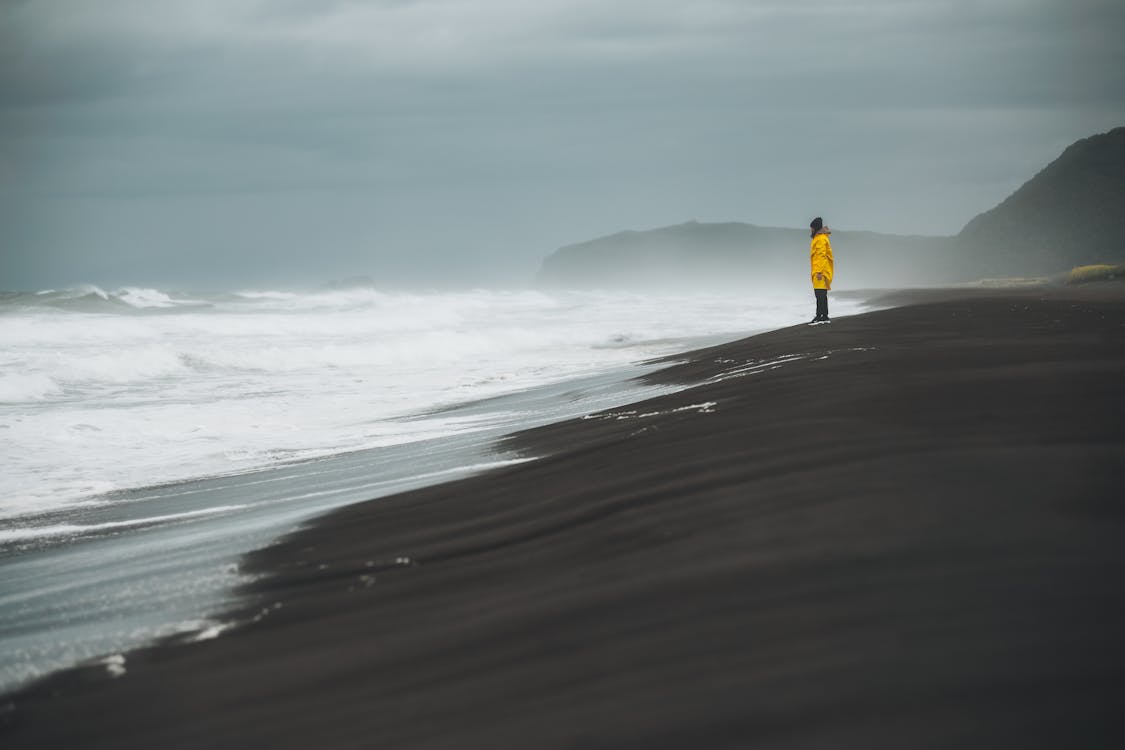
x,y
821,303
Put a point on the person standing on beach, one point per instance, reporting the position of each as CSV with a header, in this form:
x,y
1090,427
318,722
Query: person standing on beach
x,y
820,256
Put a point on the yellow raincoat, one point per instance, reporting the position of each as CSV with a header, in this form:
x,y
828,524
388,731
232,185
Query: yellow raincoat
x,y
820,256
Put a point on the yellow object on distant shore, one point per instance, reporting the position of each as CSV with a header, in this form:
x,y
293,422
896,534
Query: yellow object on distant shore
x,y
1098,272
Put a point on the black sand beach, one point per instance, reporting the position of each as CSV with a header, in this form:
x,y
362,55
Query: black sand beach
x,y
904,529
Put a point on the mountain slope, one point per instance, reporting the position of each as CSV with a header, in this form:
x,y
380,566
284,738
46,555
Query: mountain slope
x,y
1067,215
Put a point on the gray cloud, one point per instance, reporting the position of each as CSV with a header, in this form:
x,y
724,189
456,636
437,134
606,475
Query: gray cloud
x,y
223,141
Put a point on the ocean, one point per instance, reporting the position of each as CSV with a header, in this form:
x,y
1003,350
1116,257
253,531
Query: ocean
x,y
149,438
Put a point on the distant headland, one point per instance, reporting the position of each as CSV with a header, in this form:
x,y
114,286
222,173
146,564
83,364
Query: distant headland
x,y
1065,216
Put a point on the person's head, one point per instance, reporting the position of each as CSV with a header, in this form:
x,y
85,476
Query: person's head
x,y
815,226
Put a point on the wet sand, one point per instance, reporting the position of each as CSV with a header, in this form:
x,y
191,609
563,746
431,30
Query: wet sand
x,y
903,529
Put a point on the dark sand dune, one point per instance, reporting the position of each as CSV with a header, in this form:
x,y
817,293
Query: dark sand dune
x,y
913,535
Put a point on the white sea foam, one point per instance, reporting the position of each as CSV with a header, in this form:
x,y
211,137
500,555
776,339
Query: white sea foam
x,y
210,632
66,529
102,391
142,298
83,290
18,387
114,664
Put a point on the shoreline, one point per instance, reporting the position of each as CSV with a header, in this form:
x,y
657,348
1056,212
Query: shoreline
x,y
903,522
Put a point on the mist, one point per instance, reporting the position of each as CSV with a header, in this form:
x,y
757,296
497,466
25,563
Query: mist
x,y
225,144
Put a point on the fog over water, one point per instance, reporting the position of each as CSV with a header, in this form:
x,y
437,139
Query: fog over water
x,y
219,143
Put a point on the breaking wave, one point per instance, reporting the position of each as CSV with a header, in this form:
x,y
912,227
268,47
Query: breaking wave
x,y
132,386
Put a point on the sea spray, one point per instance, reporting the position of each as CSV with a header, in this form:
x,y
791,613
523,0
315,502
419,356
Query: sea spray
x,y
103,390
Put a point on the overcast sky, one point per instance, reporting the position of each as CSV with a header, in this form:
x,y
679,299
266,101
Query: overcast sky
x,y
232,142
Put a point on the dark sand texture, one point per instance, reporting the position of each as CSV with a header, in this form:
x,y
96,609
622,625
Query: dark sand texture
x,y
910,537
